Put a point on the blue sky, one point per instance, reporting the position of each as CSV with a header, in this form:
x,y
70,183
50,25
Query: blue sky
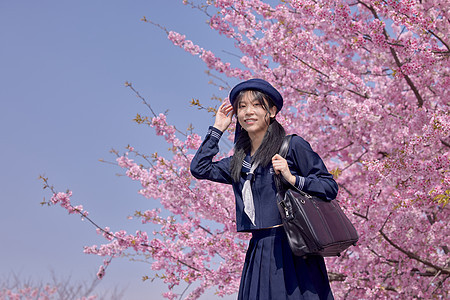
x,y
64,105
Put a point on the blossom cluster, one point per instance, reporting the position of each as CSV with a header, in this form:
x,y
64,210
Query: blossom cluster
x,y
28,293
63,199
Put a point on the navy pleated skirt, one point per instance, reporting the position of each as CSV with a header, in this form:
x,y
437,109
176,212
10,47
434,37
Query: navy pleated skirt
x,y
272,272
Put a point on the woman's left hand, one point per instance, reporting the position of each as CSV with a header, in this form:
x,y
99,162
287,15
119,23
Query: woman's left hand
x,y
280,165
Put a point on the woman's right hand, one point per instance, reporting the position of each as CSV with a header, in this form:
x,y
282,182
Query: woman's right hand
x,y
224,116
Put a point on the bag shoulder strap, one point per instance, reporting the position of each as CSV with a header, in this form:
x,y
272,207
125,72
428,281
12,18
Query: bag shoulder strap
x,y
285,145
284,148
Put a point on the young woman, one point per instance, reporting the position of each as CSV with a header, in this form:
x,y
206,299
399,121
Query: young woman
x,y
270,270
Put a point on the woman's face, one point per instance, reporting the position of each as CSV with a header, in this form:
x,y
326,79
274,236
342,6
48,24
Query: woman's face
x,y
252,116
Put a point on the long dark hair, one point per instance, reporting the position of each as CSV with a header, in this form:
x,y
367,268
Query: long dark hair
x,y
270,144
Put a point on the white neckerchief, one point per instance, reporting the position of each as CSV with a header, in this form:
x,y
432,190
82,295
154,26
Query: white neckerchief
x,y
247,195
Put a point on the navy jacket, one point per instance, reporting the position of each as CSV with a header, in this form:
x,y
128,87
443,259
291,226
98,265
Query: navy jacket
x,y
310,172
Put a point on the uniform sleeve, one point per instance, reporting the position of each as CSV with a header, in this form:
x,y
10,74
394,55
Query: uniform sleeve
x,y
202,166
313,177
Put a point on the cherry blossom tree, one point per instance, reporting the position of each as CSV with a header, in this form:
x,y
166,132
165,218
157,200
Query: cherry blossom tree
x,y
367,84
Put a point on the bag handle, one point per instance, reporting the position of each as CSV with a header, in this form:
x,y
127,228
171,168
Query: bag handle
x,y
280,182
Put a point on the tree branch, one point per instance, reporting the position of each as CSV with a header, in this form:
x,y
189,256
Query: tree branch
x,y
397,60
408,80
128,84
366,216
113,236
311,67
355,161
441,40
440,284
445,143
360,215
414,256
359,94
340,149
345,188
305,92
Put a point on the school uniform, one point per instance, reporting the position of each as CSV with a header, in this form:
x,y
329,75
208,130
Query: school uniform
x,y
270,270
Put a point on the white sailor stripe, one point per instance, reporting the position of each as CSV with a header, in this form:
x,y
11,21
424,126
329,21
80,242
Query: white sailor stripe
x,y
246,164
214,133
301,182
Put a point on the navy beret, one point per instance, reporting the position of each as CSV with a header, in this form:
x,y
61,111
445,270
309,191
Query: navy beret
x,y
258,85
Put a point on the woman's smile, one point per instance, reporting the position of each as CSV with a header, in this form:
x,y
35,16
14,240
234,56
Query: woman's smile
x,y
250,121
